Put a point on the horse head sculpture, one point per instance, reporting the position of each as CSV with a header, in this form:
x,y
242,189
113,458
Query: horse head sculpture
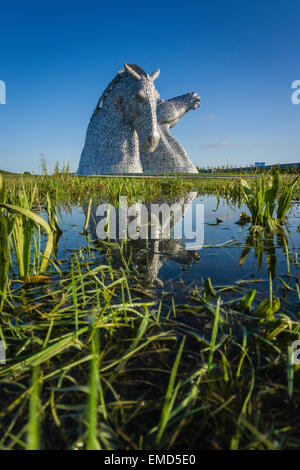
x,y
123,124
139,104
129,131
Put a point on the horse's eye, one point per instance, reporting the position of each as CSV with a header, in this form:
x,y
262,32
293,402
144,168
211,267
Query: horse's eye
x,y
140,98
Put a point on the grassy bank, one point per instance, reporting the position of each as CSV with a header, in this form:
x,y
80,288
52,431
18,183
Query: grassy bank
x,y
76,190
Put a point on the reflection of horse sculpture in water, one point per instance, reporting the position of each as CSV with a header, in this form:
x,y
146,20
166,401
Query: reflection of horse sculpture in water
x,y
149,260
129,130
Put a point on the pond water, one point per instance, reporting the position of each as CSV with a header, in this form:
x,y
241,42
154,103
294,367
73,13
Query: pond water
x,y
229,256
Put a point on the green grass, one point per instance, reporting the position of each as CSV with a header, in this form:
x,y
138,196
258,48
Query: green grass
x,y
7,173
262,200
151,391
78,190
94,361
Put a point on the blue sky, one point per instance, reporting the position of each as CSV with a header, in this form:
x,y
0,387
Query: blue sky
x,y
241,57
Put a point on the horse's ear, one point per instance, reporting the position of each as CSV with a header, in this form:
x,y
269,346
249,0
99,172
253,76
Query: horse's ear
x,y
132,72
155,74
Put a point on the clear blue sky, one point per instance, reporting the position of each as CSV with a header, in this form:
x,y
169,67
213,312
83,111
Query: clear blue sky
x,y
241,57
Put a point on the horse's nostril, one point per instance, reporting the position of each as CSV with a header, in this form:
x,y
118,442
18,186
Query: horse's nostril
x,y
151,141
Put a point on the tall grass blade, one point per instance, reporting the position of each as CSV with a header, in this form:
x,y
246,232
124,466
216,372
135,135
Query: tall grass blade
x,y
285,200
21,241
214,336
33,436
169,400
92,441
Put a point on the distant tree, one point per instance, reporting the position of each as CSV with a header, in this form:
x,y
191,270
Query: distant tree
x,y
26,173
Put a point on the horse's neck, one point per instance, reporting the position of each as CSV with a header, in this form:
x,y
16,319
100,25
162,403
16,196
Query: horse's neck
x,y
114,123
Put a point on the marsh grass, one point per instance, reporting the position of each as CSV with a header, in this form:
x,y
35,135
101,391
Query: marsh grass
x,y
93,362
262,201
78,190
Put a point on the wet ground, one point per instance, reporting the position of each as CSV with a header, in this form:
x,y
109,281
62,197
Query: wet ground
x,y
229,255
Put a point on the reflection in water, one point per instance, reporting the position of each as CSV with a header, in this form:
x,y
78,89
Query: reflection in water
x,y
163,231
265,242
227,245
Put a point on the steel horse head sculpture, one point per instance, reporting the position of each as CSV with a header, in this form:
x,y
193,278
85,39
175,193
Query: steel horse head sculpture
x,y
123,124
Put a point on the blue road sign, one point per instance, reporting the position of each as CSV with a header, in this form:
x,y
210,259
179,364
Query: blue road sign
x,y
259,164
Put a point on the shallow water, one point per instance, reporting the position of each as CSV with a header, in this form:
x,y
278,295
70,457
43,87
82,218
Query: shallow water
x,y
169,270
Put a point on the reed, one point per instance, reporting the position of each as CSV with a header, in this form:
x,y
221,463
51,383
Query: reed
x,y
262,200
